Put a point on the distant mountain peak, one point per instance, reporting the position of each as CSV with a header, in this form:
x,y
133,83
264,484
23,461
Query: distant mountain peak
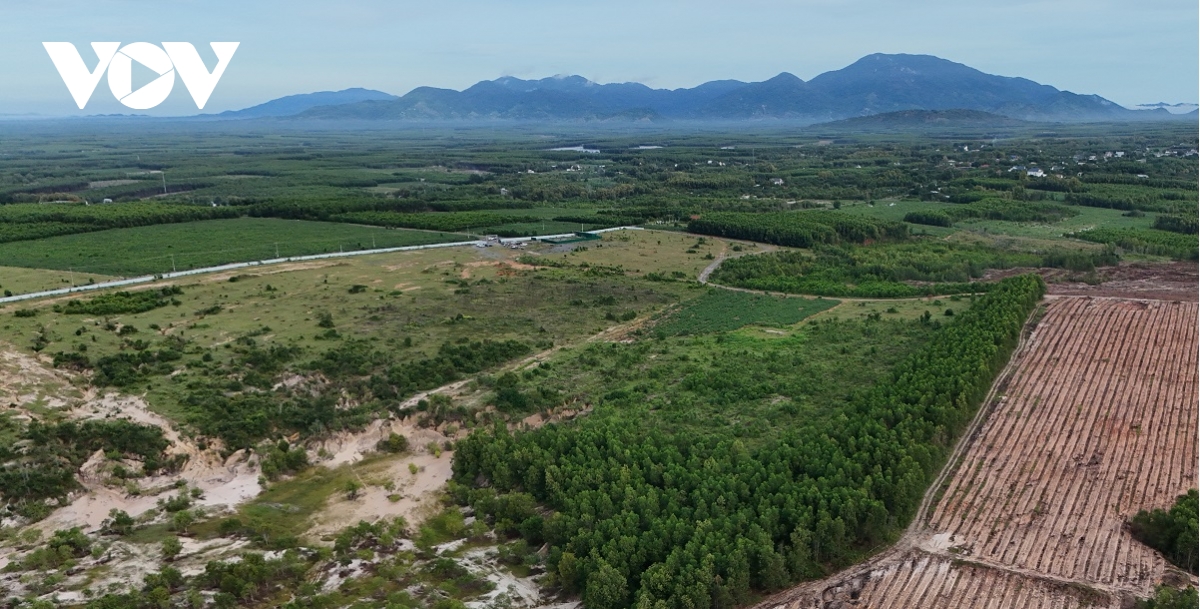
x,y
785,78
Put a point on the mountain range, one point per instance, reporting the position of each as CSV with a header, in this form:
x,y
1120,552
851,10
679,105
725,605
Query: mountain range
x,y
875,84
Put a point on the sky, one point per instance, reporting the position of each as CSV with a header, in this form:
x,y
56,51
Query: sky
x,y
1129,52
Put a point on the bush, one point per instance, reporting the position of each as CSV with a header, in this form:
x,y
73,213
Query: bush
x,y
123,302
281,459
928,218
394,443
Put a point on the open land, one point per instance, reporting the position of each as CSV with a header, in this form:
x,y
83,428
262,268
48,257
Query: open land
x,y
793,389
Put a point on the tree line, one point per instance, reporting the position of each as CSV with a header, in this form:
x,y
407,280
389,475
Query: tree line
x,y
797,229
920,267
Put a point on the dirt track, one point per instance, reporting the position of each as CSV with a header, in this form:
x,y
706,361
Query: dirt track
x,y
1097,421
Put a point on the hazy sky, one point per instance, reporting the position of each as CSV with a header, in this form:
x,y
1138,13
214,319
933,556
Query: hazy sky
x,y
1128,51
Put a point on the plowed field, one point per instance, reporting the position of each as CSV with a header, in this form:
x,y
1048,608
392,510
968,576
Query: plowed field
x,y
1096,420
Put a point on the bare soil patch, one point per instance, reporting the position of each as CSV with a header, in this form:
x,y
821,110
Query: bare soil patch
x,y
1177,280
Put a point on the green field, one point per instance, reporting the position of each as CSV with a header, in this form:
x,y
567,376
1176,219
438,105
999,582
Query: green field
x,y
1086,218
750,382
723,310
159,249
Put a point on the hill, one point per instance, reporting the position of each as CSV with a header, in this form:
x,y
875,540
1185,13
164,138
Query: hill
x,y
295,104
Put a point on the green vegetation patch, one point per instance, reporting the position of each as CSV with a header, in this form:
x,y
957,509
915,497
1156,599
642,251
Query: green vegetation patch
x,y
643,513
1166,597
797,229
751,384
992,209
117,303
162,248
890,270
1144,241
41,466
441,221
723,310
1185,225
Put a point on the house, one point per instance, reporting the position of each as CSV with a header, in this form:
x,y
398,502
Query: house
x,y
1036,172
777,181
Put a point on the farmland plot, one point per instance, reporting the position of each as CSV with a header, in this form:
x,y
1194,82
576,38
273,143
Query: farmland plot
x,y
1096,420
1099,422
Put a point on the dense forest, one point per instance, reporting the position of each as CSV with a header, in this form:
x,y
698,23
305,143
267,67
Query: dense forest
x,y
797,229
650,518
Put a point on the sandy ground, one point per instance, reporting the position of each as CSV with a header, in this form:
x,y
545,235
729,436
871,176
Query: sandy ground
x,y
27,383
225,482
351,447
522,591
414,496
30,385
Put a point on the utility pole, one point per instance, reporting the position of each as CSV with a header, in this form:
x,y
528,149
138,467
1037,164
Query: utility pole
x,y
164,177
173,263
276,249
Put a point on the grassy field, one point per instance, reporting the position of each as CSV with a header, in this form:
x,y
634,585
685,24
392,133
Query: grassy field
x,y
158,249
679,255
753,380
723,310
24,280
1086,218
901,308
409,303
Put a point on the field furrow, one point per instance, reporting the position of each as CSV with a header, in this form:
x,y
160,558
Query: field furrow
x,y
1097,421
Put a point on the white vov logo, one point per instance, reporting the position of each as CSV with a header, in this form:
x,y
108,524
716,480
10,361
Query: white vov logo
x,y
178,56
